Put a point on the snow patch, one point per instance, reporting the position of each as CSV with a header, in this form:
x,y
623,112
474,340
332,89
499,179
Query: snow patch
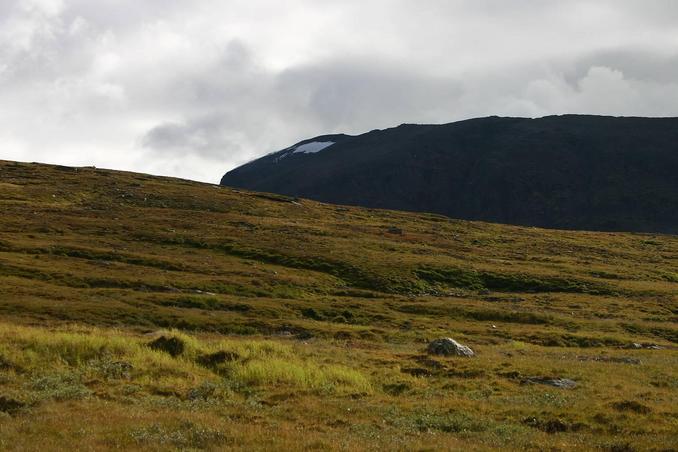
x,y
313,147
307,148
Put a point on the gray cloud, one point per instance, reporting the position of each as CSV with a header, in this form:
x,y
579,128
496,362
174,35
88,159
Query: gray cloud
x,y
348,94
192,90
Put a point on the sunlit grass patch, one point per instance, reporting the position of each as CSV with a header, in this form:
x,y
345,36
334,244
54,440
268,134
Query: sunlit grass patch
x,y
59,362
254,349
302,375
265,362
35,349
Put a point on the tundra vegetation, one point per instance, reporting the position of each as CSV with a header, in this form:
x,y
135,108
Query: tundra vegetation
x,y
149,313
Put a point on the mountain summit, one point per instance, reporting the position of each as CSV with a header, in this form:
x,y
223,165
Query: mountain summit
x,y
565,172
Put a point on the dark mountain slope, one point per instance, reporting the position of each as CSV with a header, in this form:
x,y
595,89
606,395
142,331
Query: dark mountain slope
x,y
568,172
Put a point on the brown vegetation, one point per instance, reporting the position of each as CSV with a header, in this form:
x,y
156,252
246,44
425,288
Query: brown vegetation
x,y
139,312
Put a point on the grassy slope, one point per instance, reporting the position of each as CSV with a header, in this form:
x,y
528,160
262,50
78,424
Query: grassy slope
x,y
321,314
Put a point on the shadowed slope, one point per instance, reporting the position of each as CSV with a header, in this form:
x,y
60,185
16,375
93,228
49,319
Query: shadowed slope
x,y
566,172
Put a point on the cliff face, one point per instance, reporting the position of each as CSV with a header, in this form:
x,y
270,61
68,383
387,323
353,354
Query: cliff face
x,y
566,172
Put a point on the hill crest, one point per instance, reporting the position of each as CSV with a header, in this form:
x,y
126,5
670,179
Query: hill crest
x,y
564,172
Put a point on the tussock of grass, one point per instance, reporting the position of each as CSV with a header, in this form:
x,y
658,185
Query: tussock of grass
x,y
59,361
252,350
302,375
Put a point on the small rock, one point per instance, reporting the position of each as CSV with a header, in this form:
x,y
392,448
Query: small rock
x,y
449,347
637,346
562,383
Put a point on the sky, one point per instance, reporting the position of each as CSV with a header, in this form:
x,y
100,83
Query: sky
x,y
195,88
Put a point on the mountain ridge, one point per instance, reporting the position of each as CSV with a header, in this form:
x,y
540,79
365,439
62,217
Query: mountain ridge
x,y
564,172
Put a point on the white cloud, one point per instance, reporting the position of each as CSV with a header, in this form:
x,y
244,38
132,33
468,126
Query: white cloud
x,y
194,88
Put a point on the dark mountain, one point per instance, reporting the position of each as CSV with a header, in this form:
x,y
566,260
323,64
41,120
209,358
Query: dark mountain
x,y
566,172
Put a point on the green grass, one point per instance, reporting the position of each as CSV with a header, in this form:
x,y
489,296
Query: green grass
x,y
302,376
146,313
57,363
475,280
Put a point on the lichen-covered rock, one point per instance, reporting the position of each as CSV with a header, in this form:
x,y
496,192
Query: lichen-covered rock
x,y
449,347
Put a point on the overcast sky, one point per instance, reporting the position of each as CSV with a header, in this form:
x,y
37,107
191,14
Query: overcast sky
x,y
193,88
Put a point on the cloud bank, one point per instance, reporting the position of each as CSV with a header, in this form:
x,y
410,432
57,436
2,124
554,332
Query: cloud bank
x,y
192,89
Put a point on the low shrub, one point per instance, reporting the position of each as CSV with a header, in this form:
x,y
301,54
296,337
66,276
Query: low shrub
x,y
60,386
172,345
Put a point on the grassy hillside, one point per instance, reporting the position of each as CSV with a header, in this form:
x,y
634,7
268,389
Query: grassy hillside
x,y
139,312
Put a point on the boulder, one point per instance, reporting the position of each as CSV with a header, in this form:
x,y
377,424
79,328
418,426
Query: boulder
x,y
449,347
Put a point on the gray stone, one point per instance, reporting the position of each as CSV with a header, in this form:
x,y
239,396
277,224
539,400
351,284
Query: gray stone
x,y
637,346
449,347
